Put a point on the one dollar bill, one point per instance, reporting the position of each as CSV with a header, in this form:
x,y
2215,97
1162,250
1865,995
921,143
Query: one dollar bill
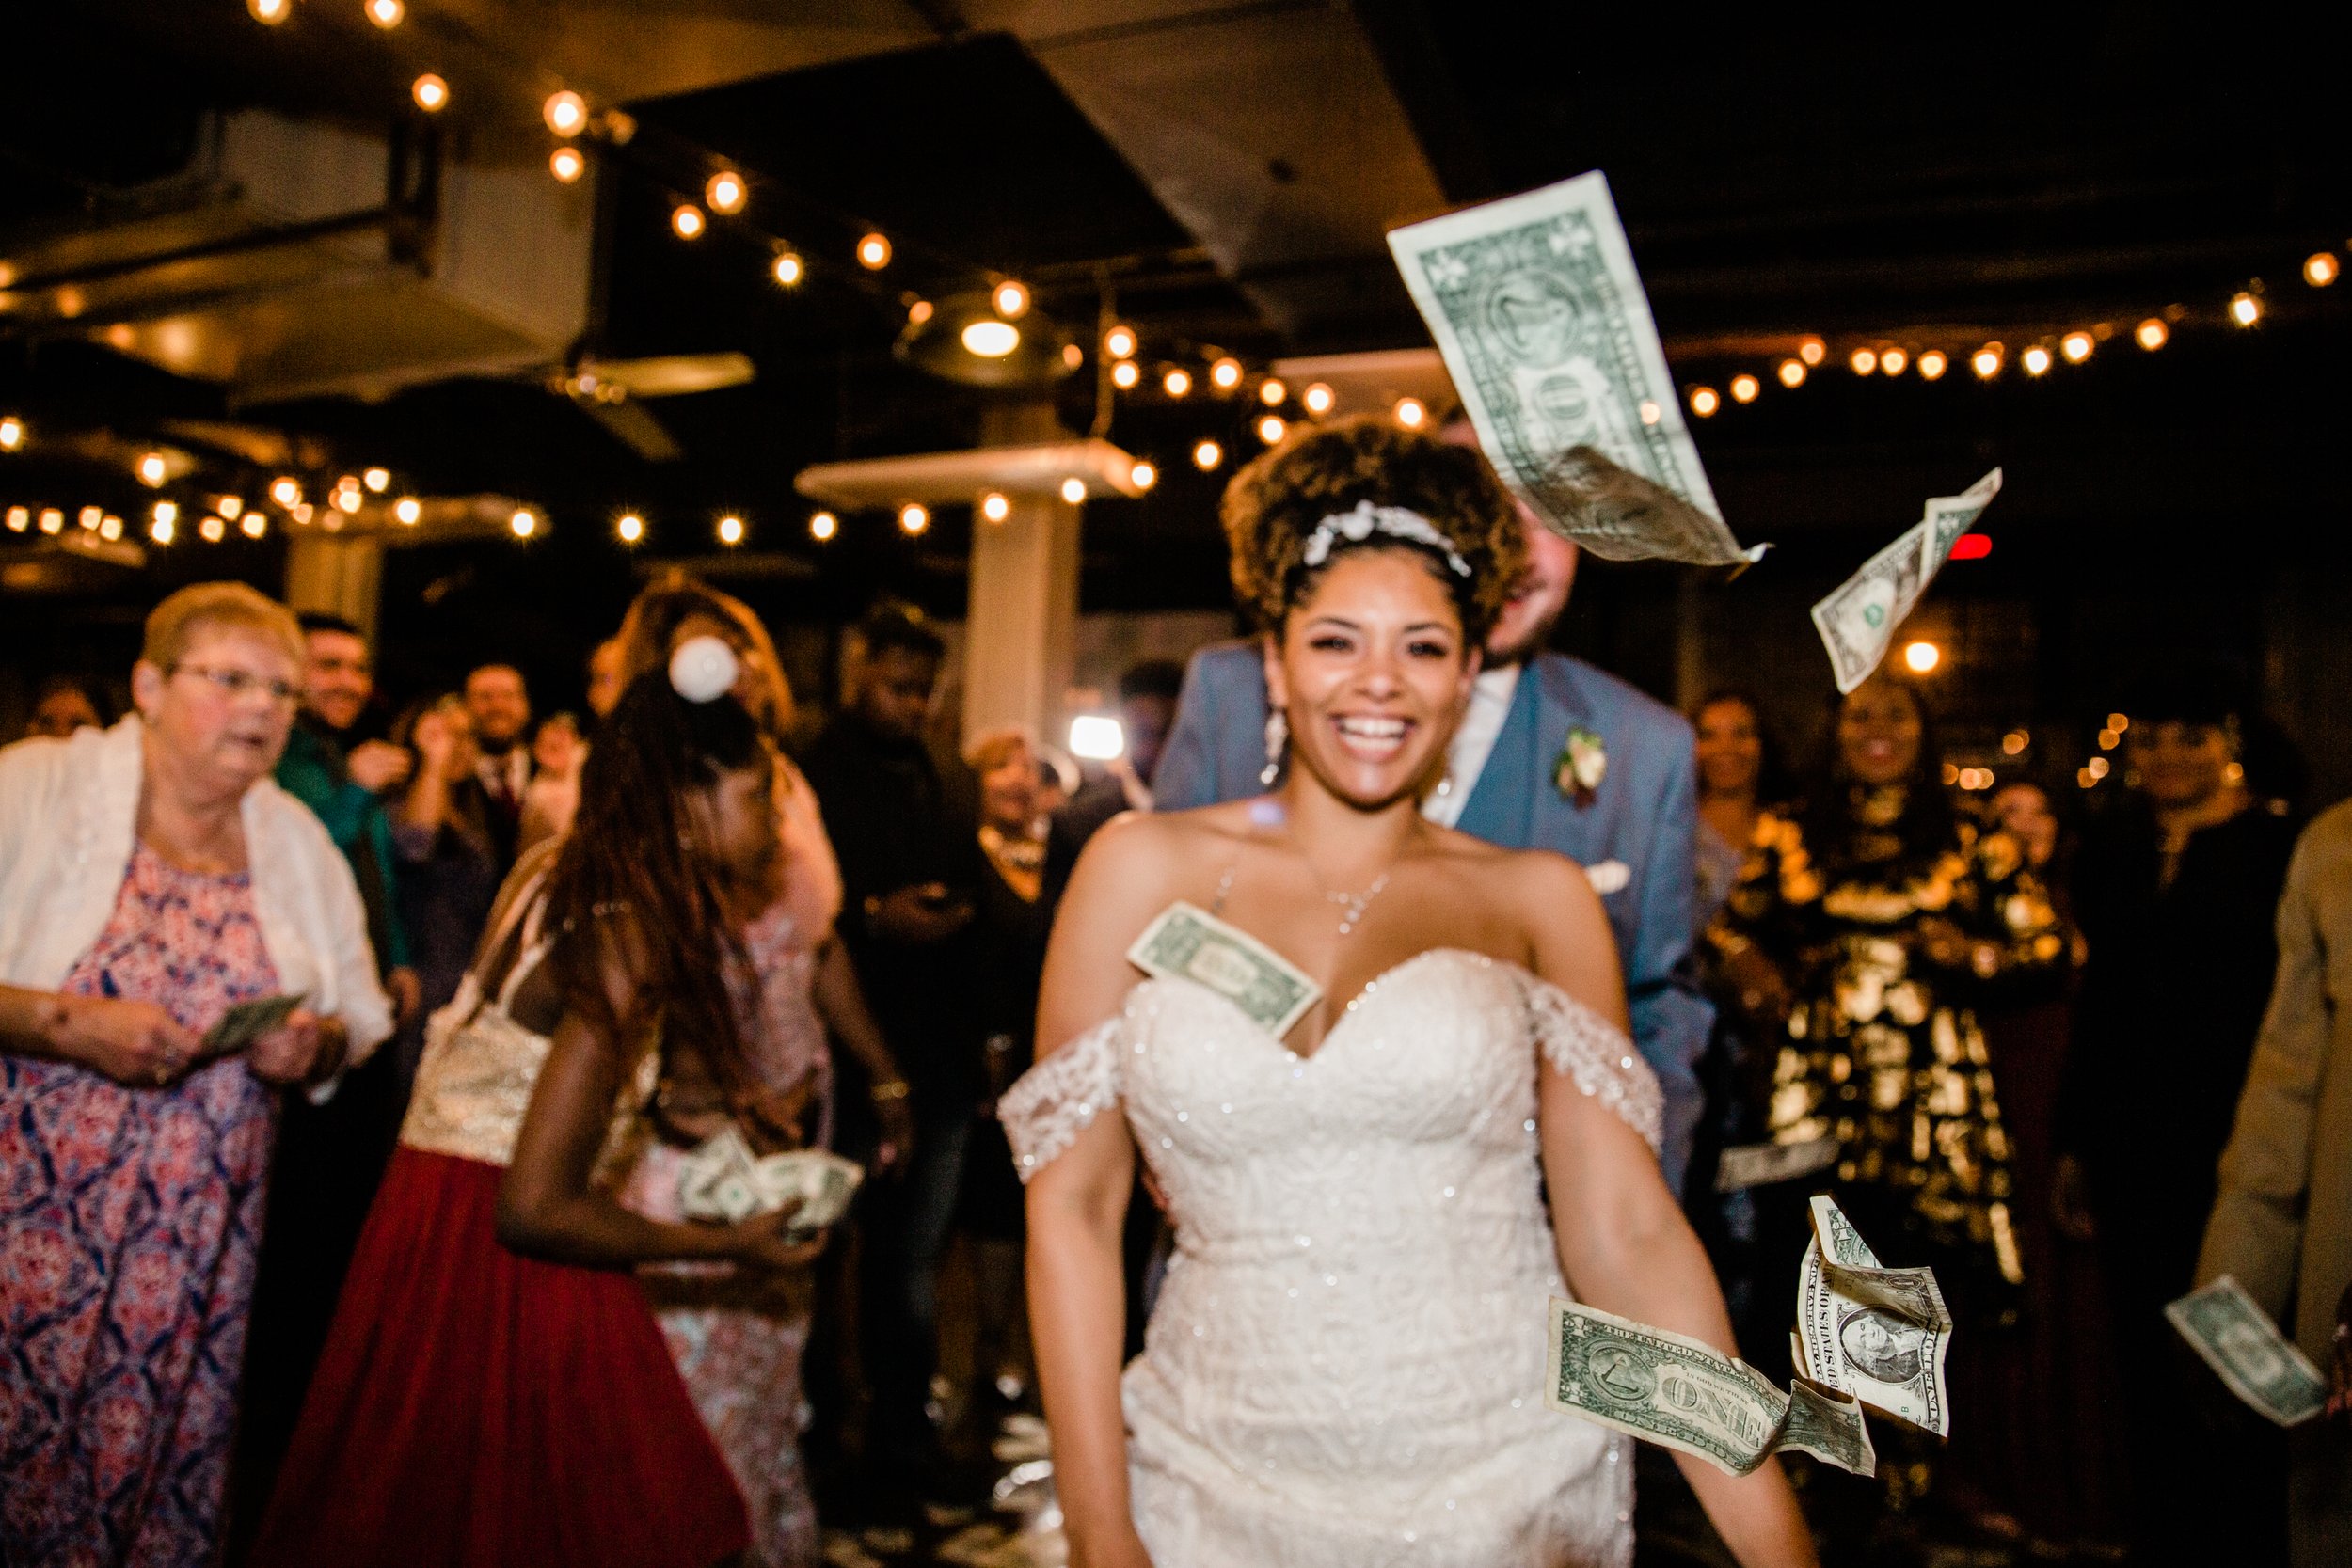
x,y
1877,1333
1188,942
1858,621
1670,1389
721,1180
1745,1165
1539,311
2242,1345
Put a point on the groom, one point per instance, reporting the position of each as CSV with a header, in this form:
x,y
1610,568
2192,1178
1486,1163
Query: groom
x,y
1552,754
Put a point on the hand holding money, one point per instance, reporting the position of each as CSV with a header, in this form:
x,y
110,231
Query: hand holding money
x,y
722,1180
2238,1339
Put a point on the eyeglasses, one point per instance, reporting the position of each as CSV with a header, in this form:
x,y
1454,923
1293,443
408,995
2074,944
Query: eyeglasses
x,y
234,684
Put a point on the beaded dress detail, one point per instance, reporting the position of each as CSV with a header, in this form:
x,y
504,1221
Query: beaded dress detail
x,y
1345,1366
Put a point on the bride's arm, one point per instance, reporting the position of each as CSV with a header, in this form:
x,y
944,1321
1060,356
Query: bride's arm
x,y
1077,1203
1624,1245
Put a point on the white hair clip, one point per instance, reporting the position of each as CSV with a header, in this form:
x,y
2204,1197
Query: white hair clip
x,y
702,669
1397,522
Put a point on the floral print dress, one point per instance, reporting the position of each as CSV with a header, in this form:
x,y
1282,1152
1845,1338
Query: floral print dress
x,y
1884,1051
129,1219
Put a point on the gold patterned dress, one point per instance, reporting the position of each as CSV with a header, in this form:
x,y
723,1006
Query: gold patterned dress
x,y
1890,947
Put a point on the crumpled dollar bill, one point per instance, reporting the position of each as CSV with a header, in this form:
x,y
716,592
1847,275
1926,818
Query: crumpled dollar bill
x,y
1858,621
1875,1334
722,1181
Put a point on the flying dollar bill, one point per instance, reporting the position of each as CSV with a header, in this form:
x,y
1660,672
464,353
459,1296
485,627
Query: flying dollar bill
x,y
1674,1390
1188,942
1540,316
1877,1333
1745,1166
1857,621
2238,1340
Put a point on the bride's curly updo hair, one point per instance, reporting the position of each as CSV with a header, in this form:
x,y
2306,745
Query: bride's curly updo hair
x,y
1273,507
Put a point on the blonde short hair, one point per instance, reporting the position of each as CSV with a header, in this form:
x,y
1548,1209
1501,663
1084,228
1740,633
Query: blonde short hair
x,y
991,751
172,626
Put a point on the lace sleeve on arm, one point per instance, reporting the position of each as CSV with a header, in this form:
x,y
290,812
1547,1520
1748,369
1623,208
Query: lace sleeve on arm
x,y
1059,1097
1596,1054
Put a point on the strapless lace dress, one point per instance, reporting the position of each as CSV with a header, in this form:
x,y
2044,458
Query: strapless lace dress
x,y
1345,1366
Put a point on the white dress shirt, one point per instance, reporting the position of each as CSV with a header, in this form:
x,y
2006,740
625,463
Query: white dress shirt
x,y
1473,743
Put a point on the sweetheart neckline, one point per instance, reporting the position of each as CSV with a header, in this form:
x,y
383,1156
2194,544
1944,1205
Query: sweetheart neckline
x,y
1348,1013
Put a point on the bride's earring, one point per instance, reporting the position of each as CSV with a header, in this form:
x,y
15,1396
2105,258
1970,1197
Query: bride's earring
x,y
1278,739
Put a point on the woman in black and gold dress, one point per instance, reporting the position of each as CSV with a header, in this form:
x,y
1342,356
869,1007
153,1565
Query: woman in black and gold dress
x,y
1866,932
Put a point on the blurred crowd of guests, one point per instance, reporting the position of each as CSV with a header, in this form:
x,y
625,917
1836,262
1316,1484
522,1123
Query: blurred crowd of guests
x,y
2014,1038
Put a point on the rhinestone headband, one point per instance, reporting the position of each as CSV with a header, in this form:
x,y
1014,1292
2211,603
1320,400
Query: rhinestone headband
x,y
1397,522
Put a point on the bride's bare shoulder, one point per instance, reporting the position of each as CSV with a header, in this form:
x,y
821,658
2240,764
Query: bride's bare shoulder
x,y
1142,858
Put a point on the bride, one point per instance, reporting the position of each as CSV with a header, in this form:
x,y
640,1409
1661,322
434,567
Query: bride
x,y
1345,1367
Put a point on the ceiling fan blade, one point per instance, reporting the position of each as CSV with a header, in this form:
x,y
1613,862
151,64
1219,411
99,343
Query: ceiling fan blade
x,y
636,429
672,375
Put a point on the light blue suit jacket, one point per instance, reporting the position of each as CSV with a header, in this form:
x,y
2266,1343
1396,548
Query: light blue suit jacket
x,y
1644,817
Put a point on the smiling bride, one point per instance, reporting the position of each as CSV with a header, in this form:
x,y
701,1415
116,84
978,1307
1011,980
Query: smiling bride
x,y
1345,1367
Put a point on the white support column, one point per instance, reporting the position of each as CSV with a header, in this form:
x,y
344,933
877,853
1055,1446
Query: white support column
x,y
1021,624
342,577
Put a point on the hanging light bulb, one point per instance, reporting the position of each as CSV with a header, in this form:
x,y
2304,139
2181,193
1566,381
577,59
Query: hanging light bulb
x,y
2077,347
90,516
1124,375
1812,350
914,518
1074,489
162,530
387,14
1119,342
1225,374
920,311
566,164
285,491
1271,392
686,221
1704,402
873,252
254,524
1272,429
730,531
269,13
630,527
1864,361
2035,359
377,480
1891,361
566,112
1986,361
1792,372
1072,355
1206,455
1010,299
431,93
212,530
1932,364
299,512
1744,388
12,433
20,518
153,470
2150,334
1411,413
110,527
52,520
2320,268
231,507
407,510
1144,475
524,523
785,269
346,501
2245,310
1177,382
991,338
163,512
1317,399
995,507
725,192
823,526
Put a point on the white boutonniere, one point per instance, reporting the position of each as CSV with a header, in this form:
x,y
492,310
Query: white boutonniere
x,y
1584,763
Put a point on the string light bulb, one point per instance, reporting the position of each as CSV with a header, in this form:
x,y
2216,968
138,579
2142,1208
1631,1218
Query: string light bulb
x,y
163,512
1932,364
995,507
914,518
377,480
20,518
1744,388
163,529
1272,429
407,510
1704,402
52,520
629,526
991,338
730,531
2077,347
823,526
787,269
1074,489
2244,309
566,112
1271,392
1411,413
212,530
724,192
1812,350
1206,455
2320,268
231,507
1177,382
1792,372
1891,362
873,252
1144,475
254,524
269,13
346,502
90,516
1986,361
566,164
2035,359
1922,657
1225,374
431,93
285,490
1119,342
1011,300
1317,399
1124,375
524,523
110,527
686,221
2150,334
153,470
12,433
387,14
1864,361
920,311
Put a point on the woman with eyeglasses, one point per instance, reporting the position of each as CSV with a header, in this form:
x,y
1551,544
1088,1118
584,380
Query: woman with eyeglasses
x,y
152,879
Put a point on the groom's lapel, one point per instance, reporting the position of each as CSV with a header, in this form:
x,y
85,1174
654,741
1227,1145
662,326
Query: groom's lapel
x,y
1501,806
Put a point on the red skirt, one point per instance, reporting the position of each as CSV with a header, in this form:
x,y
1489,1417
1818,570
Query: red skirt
x,y
477,1409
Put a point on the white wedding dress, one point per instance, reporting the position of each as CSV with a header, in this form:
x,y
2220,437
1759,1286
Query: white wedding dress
x,y
1345,1367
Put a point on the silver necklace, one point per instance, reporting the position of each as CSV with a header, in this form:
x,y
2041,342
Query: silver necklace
x,y
1357,903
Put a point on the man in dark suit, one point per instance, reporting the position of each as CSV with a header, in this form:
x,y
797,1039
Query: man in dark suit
x,y
1551,753
1147,711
